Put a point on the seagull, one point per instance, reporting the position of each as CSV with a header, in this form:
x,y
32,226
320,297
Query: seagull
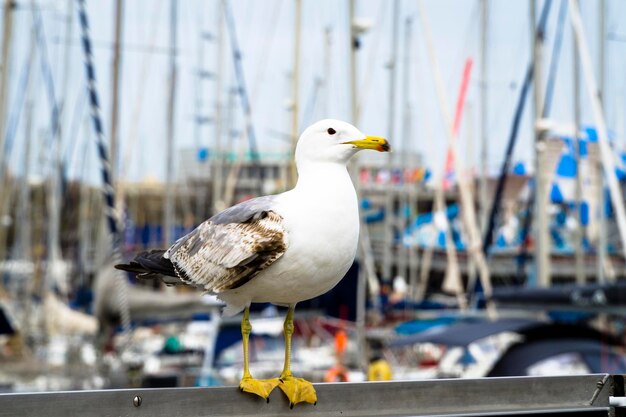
x,y
281,248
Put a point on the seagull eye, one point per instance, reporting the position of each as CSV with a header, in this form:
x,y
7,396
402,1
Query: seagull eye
x,y
331,131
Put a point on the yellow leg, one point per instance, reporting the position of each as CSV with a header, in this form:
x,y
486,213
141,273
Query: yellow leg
x,y
260,387
297,390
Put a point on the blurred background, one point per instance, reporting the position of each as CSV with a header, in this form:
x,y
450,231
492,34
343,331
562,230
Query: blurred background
x,y
493,238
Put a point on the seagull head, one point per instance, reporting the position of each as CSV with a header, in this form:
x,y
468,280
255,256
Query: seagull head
x,y
335,141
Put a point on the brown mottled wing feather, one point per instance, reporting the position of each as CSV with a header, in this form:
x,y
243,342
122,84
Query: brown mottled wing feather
x,y
220,255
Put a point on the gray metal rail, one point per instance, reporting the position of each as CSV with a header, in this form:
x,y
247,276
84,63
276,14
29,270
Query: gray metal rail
x,y
588,395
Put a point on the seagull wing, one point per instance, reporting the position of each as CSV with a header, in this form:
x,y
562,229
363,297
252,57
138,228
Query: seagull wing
x,y
232,247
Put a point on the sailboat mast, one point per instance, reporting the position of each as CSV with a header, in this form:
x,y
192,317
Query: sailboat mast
x,y
391,117
168,220
55,197
405,201
325,101
85,238
24,214
353,91
295,87
602,50
4,76
542,248
361,300
4,71
115,87
578,247
218,167
55,192
413,194
352,68
602,238
606,154
69,26
484,14
198,88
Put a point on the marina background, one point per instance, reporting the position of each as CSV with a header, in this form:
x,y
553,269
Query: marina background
x,y
201,103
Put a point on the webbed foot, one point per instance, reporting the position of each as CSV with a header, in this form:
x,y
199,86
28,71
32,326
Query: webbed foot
x,y
260,387
297,390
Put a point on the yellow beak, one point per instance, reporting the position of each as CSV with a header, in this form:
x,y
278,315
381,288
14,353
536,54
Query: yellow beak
x,y
371,142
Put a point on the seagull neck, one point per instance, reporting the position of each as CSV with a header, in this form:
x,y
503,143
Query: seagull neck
x,y
324,174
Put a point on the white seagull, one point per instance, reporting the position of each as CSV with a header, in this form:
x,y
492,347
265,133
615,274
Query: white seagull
x,y
280,249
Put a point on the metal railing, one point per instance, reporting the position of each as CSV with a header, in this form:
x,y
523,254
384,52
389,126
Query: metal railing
x,y
590,395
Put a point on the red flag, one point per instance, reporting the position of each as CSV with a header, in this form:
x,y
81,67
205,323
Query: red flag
x,y
458,115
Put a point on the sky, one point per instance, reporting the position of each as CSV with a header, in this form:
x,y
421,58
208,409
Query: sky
x,y
265,32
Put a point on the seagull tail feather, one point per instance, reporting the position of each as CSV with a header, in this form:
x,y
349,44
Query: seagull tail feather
x,y
149,264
